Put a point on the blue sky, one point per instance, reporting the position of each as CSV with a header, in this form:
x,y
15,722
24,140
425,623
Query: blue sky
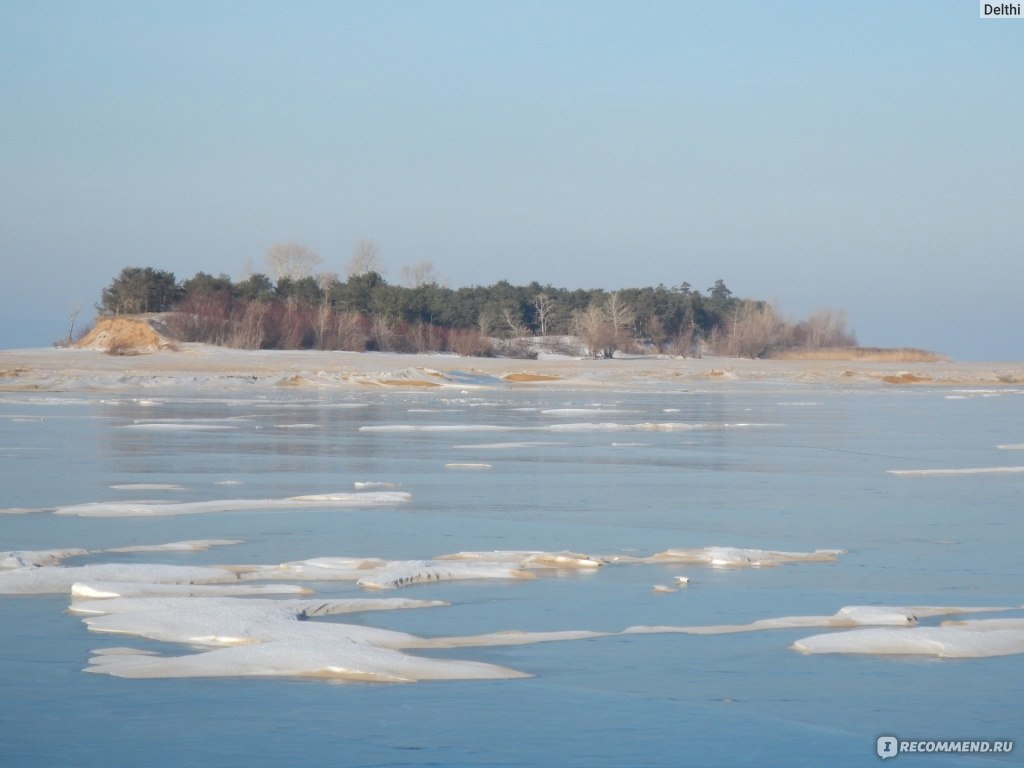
x,y
858,155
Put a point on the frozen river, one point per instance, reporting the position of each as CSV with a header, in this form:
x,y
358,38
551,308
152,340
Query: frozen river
x,y
749,573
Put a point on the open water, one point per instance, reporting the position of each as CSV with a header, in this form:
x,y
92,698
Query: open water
x,y
772,466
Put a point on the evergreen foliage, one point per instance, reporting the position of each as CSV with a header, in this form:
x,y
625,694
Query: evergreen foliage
x,y
365,312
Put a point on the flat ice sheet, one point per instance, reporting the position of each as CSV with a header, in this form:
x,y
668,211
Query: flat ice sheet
x,y
332,501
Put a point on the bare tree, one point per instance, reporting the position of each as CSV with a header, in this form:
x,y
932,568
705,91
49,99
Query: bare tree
x,y
324,324
545,307
383,334
595,331
326,279
620,316
420,273
514,321
753,330
76,308
350,331
291,260
365,258
827,328
248,331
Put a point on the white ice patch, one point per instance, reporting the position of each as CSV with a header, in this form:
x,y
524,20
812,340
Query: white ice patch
x,y
972,640
163,426
50,557
737,557
104,590
529,559
581,411
58,579
667,426
271,638
219,621
192,545
403,573
341,500
849,616
348,661
438,428
965,471
318,569
245,631
508,445
148,487
37,558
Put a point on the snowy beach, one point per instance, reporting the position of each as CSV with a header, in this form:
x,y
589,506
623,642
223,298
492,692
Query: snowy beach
x,y
195,364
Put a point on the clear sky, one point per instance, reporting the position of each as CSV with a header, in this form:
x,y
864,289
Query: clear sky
x,y
866,155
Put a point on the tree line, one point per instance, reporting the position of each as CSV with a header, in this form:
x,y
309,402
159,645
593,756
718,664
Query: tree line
x,y
300,310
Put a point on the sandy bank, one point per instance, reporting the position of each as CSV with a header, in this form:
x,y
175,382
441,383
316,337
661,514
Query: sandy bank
x,y
202,365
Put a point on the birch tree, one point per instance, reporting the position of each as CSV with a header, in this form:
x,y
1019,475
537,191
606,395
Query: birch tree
x,y
291,260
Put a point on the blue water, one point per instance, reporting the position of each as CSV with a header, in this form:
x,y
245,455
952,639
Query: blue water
x,y
809,472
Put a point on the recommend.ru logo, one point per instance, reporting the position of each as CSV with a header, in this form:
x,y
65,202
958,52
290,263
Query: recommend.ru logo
x,y
890,746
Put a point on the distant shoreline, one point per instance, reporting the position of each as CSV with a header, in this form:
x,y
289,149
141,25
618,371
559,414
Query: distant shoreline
x,y
200,365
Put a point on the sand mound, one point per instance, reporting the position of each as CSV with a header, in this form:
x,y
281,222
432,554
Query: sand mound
x,y
125,336
905,378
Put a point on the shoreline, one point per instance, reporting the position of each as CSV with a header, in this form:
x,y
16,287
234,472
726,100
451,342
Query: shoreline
x,y
55,369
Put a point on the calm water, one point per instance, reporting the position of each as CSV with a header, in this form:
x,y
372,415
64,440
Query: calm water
x,y
806,470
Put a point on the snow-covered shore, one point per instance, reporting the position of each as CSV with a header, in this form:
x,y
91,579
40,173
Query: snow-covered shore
x,y
198,364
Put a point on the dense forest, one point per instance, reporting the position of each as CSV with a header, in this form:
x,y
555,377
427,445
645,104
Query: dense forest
x,y
302,310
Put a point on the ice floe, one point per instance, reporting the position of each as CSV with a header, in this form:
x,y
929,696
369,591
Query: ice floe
x,y
355,662
438,428
509,445
58,579
963,471
273,638
581,411
51,557
340,500
104,590
238,627
193,545
529,559
37,559
316,569
849,616
737,557
162,426
404,573
148,487
965,640
609,426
